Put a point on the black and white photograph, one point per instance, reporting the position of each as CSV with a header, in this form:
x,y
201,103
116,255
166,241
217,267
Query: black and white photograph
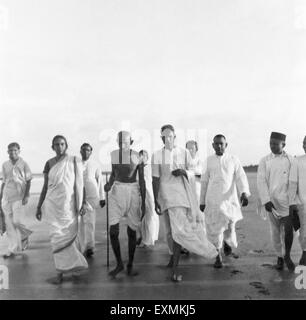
x,y
152,150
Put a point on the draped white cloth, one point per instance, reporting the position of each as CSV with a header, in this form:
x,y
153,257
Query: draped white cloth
x,y
196,167
188,225
60,210
150,222
125,203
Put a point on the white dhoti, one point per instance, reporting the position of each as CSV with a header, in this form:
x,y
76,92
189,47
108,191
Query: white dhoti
x,y
220,224
125,202
15,229
86,235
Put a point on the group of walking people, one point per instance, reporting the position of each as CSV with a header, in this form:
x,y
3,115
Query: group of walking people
x,y
200,201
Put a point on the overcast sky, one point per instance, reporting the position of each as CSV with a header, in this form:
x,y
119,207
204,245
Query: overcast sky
x,y
87,68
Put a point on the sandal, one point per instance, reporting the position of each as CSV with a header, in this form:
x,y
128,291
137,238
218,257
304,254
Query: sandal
x,y
176,277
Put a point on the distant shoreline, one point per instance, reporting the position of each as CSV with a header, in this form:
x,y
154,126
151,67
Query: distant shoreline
x,y
251,168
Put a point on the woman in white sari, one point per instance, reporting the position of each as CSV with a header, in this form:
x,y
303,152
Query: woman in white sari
x,y
60,203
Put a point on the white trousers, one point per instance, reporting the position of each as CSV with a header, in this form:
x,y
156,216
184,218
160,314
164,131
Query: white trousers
x,y
16,231
277,234
302,231
86,235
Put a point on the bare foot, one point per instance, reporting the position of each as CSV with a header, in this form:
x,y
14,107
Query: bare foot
x,y
89,253
56,280
170,263
303,259
176,277
25,244
227,249
130,271
218,263
118,269
289,263
280,263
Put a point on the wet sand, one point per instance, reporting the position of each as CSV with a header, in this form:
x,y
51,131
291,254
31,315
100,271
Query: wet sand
x,y
251,276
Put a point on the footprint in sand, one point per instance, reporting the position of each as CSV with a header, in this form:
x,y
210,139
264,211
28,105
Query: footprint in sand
x,y
257,284
268,265
266,292
235,272
261,287
258,251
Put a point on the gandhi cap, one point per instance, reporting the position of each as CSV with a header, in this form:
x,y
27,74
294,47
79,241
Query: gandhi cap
x,y
278,136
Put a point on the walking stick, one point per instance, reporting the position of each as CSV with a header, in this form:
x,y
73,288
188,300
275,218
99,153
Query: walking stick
x,y
107,226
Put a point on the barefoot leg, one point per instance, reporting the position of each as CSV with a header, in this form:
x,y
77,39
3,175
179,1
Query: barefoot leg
x,y
132,247
114,236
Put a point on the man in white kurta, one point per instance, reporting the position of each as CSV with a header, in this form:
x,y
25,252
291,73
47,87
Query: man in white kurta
x,y
222,177
297,197
176,200
94,198
15,192
273,183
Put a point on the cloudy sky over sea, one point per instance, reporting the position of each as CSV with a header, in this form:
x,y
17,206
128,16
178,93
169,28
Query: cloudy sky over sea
x,y
86,69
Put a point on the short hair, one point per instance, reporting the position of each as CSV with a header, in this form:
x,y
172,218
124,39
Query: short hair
x,y
84,145
14,145
142,152
167,126
219,136
59,137
123,133
194,143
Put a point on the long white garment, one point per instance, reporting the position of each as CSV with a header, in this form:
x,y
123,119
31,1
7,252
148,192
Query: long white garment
x,y
196,167
273,185
60,210
150,222
273,181
188,226
15,178
16,231
297,194
94,192
177,198
125,202
222,177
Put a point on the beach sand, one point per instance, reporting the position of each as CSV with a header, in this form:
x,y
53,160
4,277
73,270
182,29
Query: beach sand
x,y
251,276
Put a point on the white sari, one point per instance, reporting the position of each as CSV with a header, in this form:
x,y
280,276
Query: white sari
x,y
60,210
